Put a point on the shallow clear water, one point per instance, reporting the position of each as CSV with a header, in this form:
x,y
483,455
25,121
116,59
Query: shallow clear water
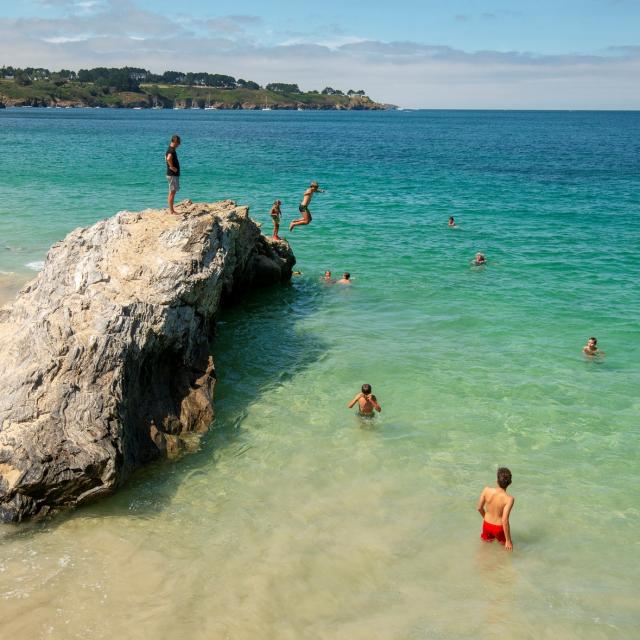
x,y
297,520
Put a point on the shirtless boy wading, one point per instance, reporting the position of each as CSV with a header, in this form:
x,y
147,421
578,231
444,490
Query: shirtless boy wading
x,y
304,205
367,402
495,505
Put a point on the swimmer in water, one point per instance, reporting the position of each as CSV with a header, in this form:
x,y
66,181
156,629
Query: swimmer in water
x,y
591,348
367,402
327,276
346,278
494,506
479,260
452,222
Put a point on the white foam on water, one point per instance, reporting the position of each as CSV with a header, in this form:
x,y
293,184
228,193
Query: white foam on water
x,y
37,265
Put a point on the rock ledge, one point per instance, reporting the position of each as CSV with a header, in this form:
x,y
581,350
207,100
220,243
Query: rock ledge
x,y
106,359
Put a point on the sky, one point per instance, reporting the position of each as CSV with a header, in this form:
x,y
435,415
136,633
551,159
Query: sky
x,y
565,54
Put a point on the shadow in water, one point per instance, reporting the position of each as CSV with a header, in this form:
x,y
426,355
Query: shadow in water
x,y
257,347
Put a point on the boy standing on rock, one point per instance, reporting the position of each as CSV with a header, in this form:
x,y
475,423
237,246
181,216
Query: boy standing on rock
x,y
304,205
173,171
276,216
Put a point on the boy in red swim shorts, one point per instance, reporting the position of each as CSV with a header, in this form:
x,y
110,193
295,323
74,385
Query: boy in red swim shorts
x,y
495,505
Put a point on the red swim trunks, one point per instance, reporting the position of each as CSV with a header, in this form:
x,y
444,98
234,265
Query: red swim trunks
x,y
492,532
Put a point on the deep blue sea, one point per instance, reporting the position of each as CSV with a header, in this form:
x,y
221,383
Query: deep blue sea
x,y
295,519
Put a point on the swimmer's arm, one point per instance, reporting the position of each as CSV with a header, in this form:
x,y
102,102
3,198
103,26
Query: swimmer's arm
x,y
505,524
481,503
374,402
352,403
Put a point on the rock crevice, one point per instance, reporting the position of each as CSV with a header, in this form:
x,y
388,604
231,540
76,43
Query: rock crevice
x,y
106,356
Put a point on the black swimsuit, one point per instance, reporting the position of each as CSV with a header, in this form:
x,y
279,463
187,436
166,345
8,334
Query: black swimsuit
x,y
303,208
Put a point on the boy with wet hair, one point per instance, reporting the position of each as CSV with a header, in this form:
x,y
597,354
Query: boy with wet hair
x,y
494,506
367,402
591,348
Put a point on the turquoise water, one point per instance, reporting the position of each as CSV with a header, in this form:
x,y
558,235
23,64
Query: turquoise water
x,y
295,519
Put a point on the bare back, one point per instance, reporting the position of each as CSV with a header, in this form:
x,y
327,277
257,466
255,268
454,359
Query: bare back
x,y
495,501
366,405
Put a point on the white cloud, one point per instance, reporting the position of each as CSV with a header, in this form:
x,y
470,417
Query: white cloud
x,y
237,24
117,33
65,39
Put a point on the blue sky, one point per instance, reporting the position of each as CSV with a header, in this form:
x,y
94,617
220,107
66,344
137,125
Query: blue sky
x,y
463,53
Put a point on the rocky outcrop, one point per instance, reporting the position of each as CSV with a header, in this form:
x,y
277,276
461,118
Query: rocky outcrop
x,y
106,356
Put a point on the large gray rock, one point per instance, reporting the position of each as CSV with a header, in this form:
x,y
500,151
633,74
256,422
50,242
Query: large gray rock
x,y
106,355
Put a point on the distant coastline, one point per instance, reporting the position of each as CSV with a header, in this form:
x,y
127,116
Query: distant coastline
x,y
140,89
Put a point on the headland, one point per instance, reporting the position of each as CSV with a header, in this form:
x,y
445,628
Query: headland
x,y
135,88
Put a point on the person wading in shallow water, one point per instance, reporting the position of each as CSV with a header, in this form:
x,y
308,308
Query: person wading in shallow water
x,y
494,506
304,205
173,171
367,402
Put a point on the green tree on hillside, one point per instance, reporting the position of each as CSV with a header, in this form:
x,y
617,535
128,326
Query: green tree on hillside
x,y
281,87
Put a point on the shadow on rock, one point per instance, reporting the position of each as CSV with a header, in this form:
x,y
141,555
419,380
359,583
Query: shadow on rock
x,y
256,349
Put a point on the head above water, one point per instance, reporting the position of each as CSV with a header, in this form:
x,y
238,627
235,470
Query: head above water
x,y
277,203
366,389
346,275
504,477
592,341
451,219
175,139
314,185
327,274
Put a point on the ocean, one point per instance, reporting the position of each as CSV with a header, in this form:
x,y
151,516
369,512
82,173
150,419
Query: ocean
x,y
295,519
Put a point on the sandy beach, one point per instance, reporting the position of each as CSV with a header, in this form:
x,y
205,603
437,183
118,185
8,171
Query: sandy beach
x,y
10,284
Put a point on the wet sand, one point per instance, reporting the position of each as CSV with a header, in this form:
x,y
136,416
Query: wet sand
x,y
10,284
